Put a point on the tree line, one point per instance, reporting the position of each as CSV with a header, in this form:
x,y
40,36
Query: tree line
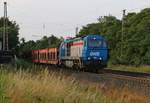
x,y
25,47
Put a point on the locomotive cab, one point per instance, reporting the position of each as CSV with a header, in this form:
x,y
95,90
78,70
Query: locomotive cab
x,y
95,51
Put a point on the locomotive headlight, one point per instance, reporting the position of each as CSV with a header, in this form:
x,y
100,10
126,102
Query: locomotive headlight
x,y
89,58
100,58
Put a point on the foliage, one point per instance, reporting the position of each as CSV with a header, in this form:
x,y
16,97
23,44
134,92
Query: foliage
x,y
134,44
47,42
25,48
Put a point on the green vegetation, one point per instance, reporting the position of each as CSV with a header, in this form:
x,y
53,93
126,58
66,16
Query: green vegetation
x,y
20,63
3,97
24,86
25,48
136,39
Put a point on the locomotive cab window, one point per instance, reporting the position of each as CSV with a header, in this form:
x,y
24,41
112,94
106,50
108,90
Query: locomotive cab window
x,y
94,43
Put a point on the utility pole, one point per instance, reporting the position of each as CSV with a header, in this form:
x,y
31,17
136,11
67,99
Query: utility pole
x,y
122,35
44,29
76,30
5,31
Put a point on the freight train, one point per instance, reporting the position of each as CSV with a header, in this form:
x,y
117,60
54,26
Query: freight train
x,y
89,52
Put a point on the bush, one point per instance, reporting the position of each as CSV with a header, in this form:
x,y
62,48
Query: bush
x,y
20,63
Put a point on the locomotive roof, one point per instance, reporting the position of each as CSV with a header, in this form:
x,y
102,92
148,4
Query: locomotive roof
x,y
81,38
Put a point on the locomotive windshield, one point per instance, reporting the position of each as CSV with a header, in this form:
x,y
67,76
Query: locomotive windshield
x,y
95,43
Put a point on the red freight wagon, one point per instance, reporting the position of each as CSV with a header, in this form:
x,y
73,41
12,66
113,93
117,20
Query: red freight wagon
x,y
46,56
43,56
35,56
52,56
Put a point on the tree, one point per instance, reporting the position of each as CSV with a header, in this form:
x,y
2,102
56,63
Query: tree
x,y
48,42
25,48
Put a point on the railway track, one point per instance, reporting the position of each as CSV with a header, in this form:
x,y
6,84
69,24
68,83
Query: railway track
x,y
126,73
133,81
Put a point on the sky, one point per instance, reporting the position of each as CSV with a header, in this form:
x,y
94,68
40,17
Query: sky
x,y
38,18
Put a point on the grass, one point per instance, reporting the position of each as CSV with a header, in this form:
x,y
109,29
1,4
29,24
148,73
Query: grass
x,y
143,69
25,86
3,96
20,63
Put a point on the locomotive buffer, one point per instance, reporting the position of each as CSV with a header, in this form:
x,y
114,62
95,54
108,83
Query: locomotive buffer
x,y
5,54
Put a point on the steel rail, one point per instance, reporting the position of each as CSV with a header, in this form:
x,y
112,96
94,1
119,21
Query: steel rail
x,y
137,82
125,73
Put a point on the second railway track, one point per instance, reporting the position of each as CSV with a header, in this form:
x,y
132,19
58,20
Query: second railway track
x,y
126,73
135,82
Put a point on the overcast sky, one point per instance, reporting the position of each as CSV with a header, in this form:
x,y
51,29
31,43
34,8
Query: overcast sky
x,y
61,17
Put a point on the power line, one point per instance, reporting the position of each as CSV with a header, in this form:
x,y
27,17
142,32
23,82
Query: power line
x,y
77,31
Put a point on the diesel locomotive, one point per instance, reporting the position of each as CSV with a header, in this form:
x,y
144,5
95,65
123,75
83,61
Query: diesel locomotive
x,y
88,52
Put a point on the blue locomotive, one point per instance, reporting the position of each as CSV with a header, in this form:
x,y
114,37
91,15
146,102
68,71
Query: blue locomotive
x,y
90,51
